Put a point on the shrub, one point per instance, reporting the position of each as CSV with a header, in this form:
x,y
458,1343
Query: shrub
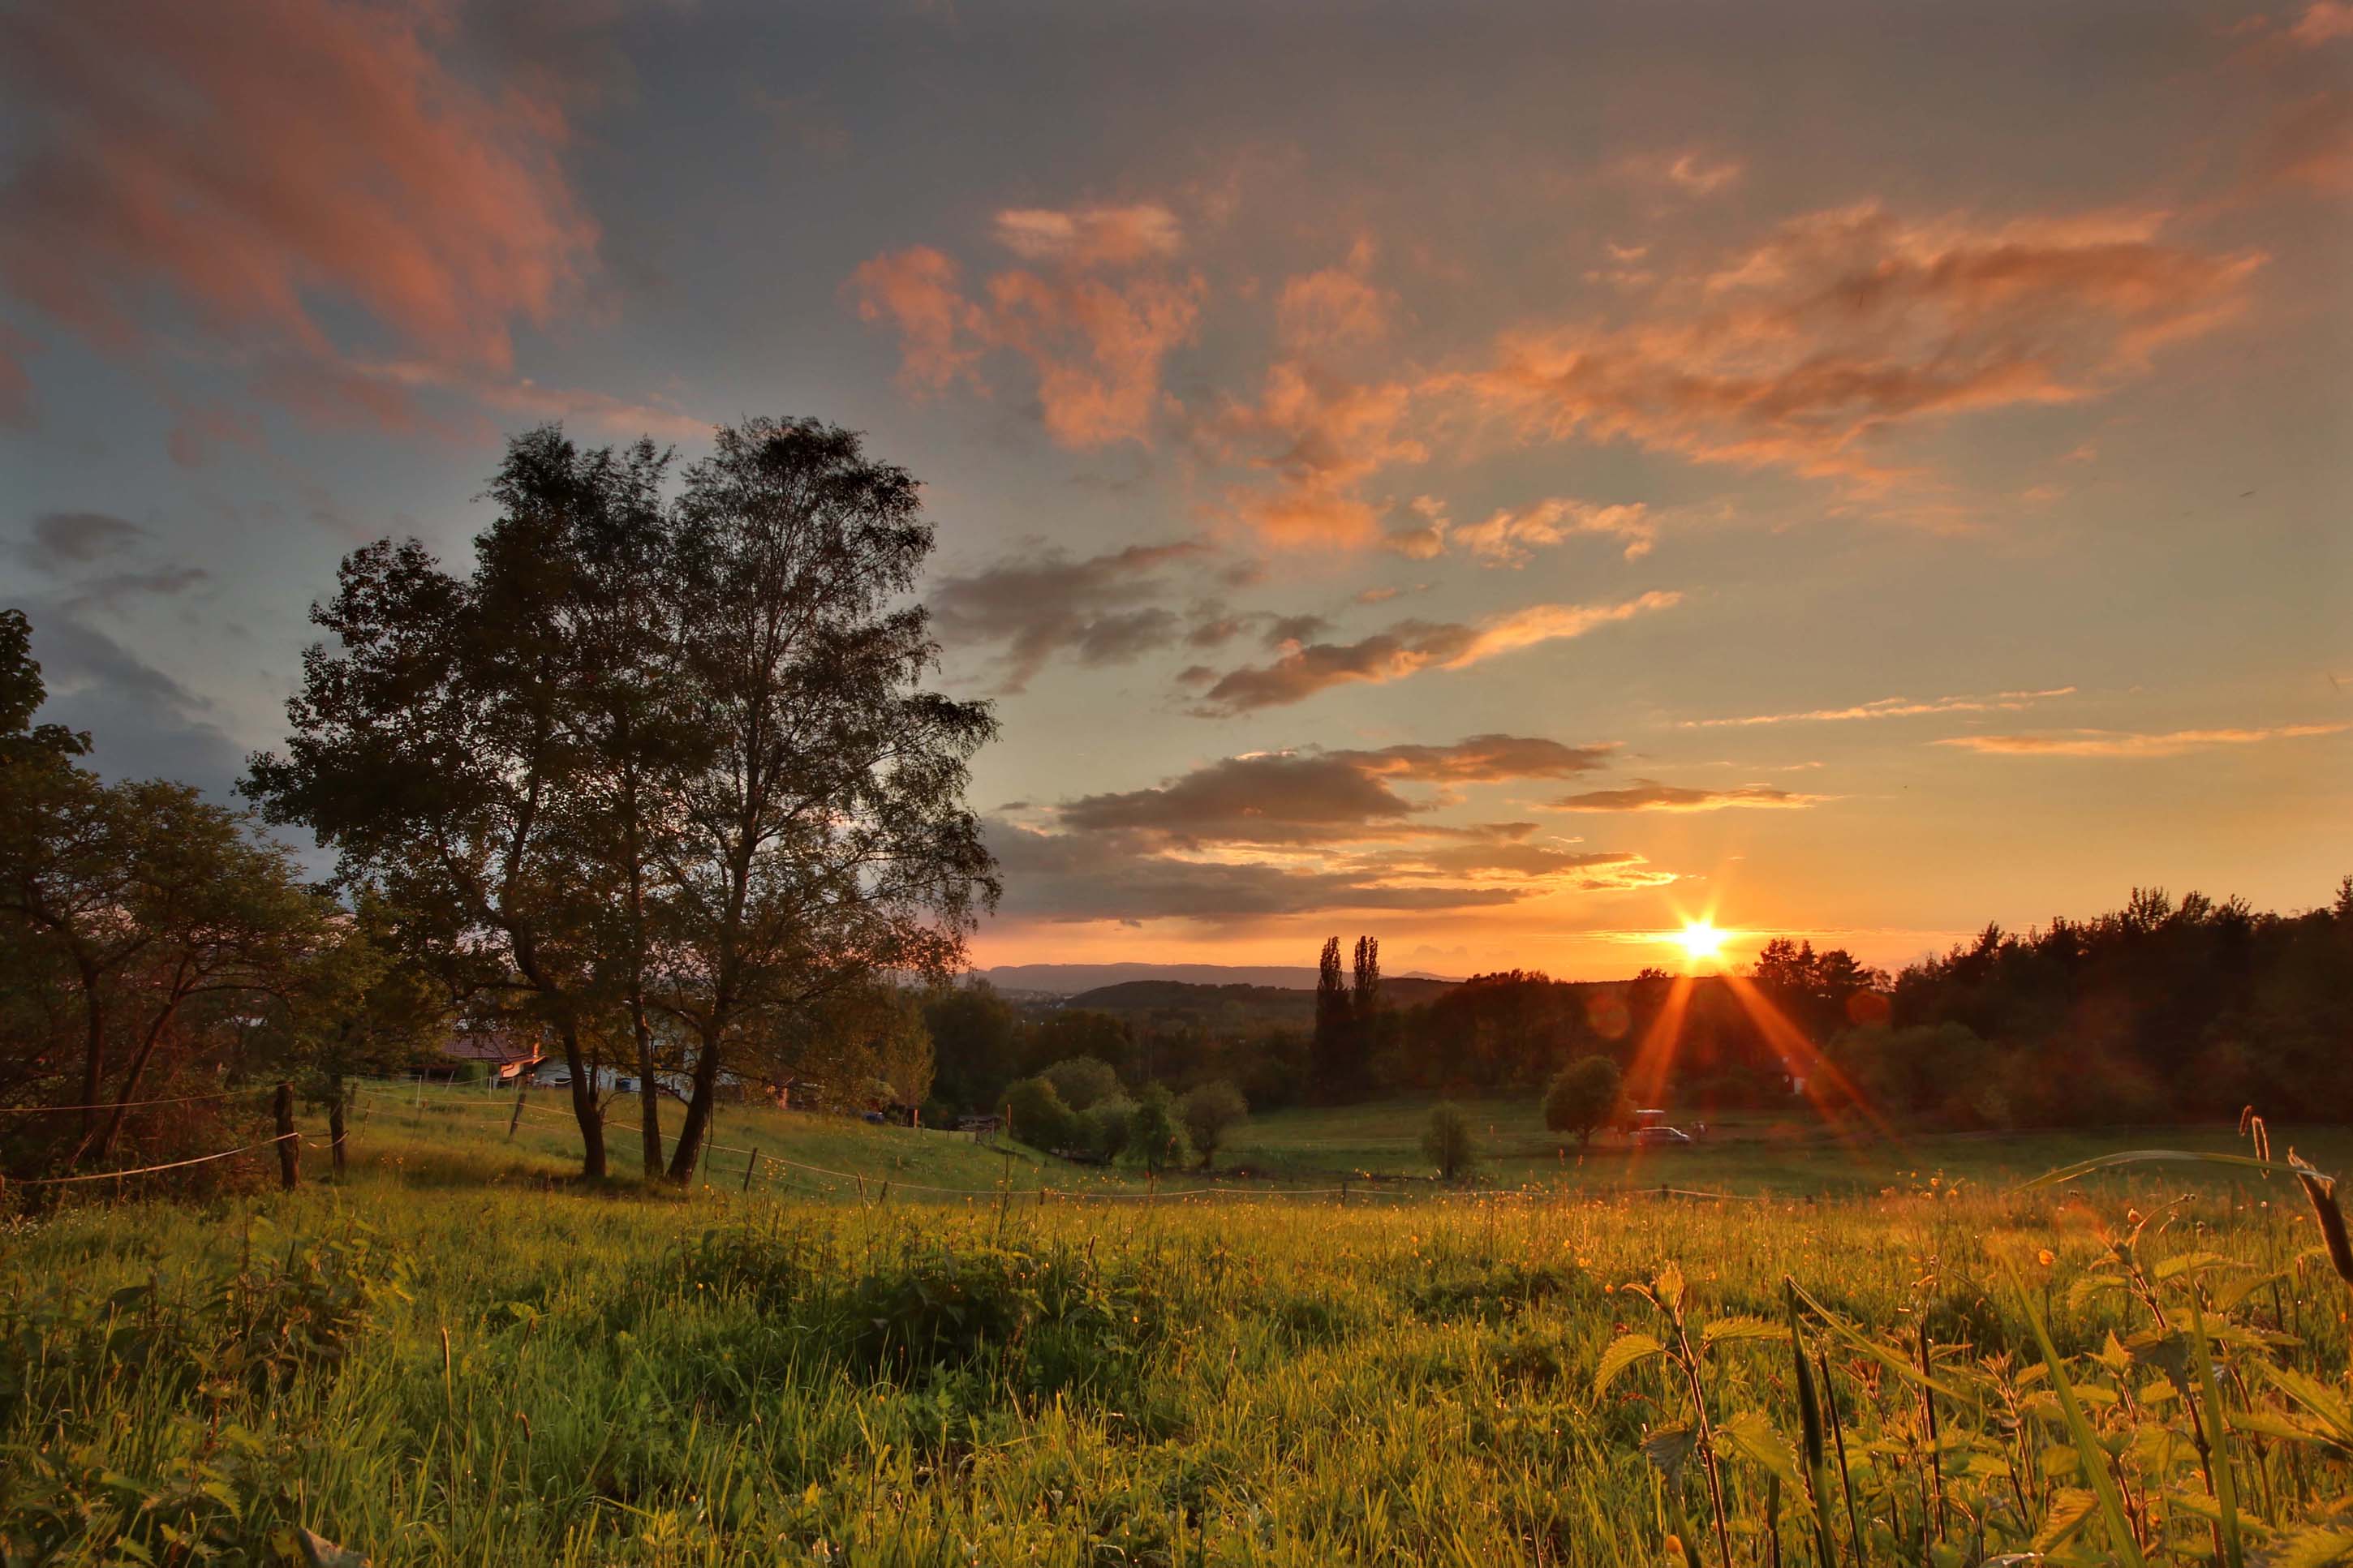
x,y
1584,1096
1038,1116
1083,1081
1155,1134
1448,1143
1210,1111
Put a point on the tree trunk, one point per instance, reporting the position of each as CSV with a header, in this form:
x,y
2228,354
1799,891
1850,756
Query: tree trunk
x,y
585,1108
698,1108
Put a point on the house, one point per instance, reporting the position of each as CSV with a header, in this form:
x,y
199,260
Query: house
x,y
499,1053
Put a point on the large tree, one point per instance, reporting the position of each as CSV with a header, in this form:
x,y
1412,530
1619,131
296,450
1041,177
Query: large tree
x,y
446,745
825,837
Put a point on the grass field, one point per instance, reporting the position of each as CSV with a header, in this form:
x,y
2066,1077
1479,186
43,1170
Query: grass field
x,y
450,1357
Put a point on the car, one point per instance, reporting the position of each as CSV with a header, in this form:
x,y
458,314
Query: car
x,y
1652,1137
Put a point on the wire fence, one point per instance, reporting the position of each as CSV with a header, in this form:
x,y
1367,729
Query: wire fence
x,y
768,1168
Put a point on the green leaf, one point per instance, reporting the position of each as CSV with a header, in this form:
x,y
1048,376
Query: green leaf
x,y
1751,1437
2094,1457
2151,1156
1668,1447
1669,1286
2314,1548
1900,1365
1741,1330
1624,1350
2226,1486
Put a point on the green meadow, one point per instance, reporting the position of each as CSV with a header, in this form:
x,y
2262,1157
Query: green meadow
x,y
946,1353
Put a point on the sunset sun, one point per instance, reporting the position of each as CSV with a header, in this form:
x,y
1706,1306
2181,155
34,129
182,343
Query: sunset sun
x,y
1701,940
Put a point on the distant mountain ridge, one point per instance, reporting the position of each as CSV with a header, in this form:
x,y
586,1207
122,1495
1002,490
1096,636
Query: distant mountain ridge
x,y
1071,979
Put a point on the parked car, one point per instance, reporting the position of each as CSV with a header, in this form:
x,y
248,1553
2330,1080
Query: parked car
x,y
1652,1137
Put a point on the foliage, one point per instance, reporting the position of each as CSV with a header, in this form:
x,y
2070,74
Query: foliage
x,y
1583,1098
1039,1118
1083,1081
1210,1111
1155,1131
1460,1378
652,755
1447,1142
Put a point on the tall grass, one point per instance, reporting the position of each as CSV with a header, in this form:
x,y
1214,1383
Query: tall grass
x,y
503,1370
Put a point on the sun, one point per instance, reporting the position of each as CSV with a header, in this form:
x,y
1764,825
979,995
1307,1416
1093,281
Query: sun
x,y
1701,941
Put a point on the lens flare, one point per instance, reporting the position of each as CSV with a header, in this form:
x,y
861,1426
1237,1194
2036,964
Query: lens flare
x,y
1701,941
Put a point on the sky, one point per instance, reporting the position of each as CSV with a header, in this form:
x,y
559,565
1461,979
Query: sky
x,y
1505,479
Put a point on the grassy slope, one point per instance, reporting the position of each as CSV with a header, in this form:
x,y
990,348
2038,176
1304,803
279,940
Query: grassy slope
x,y
1751,1155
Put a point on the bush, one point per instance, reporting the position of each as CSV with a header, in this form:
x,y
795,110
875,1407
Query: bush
x,y
1584,1096
1448,1143
1155,1134
1210,1111
1038,1115
1103,1129
1084,1082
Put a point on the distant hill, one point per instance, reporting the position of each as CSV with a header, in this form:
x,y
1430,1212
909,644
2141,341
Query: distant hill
x,y
1071,979
1237,1005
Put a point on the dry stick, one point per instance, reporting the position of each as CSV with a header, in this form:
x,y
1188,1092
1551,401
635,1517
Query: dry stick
x,y
750,1167
1706,1432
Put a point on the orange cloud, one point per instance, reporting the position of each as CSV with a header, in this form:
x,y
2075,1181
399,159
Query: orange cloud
x,y
1407,649
2324,21
1800,352
2127,743
1511,538
1332,309
1650,795
249,156
1890,707
1321,437
1095,347
1090,237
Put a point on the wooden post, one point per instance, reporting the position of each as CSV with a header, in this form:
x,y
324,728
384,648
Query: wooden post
x,y
290,1148
335,1128
1344,1191
1041,1189
750,1167
516,1119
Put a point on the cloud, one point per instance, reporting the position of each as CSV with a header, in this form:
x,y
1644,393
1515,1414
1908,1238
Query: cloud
x,y
1511,538
252,158
1101,609
1090,237
1334,308
1695,175
142,722
2310,144
1890,707
1648,795
1321,796
1320,438
66,539
1085,876
1801,352
2130,743
1407,649
1095,347
2323,22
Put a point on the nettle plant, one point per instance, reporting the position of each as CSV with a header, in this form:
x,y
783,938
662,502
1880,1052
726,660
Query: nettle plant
x,y
2189,1422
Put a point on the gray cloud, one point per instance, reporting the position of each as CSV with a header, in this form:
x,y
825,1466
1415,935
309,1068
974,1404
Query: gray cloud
x,y
66,539
1650,795
142,722
1106,609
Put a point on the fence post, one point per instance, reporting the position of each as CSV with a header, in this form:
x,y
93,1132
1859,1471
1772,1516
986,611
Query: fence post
x,y
1344,1191
290,1148
750,1166
515,1120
